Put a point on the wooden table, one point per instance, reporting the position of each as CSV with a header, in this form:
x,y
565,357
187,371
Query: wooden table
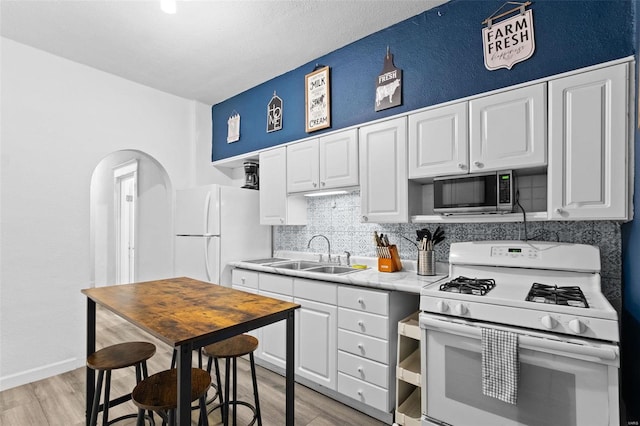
x,y
188,314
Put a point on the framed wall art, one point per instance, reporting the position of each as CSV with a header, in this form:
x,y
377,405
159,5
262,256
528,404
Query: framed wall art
x,y
317,100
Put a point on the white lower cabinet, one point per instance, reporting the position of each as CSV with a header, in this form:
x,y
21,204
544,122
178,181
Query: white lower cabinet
x,y
316,327
367,335
345,337
273,337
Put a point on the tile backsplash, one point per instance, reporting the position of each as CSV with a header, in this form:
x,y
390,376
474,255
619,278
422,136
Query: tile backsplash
x,y
338,218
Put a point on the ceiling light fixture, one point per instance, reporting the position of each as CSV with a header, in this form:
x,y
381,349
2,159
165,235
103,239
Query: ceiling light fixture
x,y
168,6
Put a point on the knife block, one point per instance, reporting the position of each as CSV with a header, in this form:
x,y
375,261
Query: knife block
x,y
392,263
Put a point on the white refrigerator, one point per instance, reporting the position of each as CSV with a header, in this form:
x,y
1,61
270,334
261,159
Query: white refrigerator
x,y
215,225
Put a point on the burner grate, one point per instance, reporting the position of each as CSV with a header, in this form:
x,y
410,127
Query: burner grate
x,y
552,294
464,285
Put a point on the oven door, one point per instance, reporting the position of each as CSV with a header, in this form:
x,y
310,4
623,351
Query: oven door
x,y
566,381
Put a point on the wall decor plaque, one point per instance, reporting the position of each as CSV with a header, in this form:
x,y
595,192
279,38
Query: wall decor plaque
x,y
317,99
274,114
389,85
233,128
510,41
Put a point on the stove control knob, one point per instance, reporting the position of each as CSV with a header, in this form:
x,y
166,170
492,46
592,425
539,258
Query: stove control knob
x,y
442,306
577,326
460,309
548,322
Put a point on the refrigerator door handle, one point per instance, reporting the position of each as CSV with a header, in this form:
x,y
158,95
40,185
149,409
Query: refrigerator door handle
x,y
207,207
206,258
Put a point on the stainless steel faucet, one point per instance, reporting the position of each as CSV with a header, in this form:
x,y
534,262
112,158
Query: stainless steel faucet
x,y
328,245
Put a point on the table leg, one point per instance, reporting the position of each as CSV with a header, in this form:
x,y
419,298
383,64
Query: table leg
x,y
290,379
90,382
184,384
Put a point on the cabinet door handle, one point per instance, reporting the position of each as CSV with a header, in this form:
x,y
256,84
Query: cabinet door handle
x,y
478,164
322,184
282,220
315,184
461,166
364,218
560,211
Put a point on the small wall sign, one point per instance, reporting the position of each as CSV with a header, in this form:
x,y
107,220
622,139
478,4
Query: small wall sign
x,y
274,114
509,41
389,85
233,128
317,100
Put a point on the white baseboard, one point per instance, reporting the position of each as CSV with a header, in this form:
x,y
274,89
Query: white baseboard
x,y
39,373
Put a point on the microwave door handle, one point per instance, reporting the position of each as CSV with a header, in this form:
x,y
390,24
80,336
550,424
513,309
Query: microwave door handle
x,y
524,341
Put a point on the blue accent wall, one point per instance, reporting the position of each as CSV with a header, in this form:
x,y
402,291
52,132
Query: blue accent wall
x,y
440,53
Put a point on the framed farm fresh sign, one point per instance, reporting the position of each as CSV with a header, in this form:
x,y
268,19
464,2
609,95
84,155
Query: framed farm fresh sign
x,y
509,41
317,100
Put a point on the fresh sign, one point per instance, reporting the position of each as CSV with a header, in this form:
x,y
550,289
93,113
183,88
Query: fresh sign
x,y
508,42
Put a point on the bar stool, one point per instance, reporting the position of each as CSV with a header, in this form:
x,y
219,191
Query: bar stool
x,y
159,393
230,349
114,357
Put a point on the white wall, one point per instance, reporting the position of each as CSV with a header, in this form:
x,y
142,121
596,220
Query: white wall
x,y
59,120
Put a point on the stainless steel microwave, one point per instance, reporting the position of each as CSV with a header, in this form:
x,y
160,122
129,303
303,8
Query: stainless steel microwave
x,y
474,193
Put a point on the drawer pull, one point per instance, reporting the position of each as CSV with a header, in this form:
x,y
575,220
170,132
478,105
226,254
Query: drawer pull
x,y
360,369
360,300
360,392
361,323
243,279
360,346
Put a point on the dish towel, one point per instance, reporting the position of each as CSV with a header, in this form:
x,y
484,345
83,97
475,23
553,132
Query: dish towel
x,y
500,366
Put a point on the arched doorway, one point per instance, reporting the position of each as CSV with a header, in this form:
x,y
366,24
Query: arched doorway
x,y
131,215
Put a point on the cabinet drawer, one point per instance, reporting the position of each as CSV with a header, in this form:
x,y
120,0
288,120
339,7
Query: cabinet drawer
x,y
365,346
363,322
276,284
316,291
244,278
364,369
361,299
364,392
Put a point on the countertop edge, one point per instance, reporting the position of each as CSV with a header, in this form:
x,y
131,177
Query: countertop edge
x,y
406,280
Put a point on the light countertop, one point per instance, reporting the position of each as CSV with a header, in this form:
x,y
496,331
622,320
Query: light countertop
x,y
406,280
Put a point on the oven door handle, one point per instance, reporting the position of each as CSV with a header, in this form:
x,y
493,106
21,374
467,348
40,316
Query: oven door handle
x,y
524,340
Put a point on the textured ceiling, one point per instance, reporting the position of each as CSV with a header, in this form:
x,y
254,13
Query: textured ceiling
x,y
209,50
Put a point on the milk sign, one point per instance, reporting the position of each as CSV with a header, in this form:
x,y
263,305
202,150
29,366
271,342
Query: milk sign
x,y
508,42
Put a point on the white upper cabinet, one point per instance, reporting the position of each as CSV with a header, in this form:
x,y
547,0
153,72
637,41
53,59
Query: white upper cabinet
x,y
439,142
339,160
303,166
325,163
508,130
276,208
383,172
588,130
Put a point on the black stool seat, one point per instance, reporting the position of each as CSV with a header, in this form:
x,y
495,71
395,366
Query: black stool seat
x,y
121,355
159,393
230,349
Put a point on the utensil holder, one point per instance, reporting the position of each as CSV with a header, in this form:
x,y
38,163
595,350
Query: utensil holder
x,y
388,259
426,262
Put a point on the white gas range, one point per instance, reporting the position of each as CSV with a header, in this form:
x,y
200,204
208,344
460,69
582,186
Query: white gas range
x,y
547,296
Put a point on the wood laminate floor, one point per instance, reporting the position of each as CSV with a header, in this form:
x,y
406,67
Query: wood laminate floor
x,y
60,400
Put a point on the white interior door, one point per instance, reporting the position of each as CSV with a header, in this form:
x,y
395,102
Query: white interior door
x,y
126,177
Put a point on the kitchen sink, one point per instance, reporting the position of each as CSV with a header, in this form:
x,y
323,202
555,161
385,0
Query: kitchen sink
x,y
296,264
331,269
311,266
